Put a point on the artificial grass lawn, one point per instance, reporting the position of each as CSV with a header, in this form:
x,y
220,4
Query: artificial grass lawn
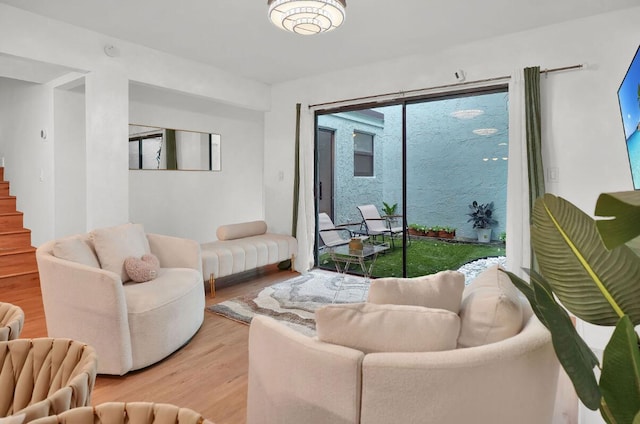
x,y
424,256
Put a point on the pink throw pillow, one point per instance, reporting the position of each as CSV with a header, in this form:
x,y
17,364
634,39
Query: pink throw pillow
x,y
142,269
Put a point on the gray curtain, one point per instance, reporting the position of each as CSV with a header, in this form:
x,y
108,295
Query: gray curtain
x,y
534,141
172,156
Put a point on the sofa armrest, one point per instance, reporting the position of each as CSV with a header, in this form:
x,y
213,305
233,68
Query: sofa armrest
x,y
298,379
86,304
176,252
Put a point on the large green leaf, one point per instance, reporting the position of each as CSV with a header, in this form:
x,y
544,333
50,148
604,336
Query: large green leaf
x,y
623,211
596,284
572,352
620,378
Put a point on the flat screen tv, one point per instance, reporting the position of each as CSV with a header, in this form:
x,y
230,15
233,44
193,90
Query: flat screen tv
x,y
629,100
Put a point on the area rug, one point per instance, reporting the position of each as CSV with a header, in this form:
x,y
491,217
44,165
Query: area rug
x,y
295,300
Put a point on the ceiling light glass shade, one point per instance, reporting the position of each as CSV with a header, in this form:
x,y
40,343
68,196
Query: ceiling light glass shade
x,y
307,16
467,113
485,131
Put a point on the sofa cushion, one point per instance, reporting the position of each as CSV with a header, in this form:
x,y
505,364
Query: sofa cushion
x,y
442,290
76,249
115,244
244,229
142,269
491,309
372,328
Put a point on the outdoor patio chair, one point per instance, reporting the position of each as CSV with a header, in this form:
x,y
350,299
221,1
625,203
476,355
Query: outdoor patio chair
x,y
376,225
332,235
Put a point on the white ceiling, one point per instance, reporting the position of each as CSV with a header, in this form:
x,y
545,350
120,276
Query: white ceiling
x,y
236,36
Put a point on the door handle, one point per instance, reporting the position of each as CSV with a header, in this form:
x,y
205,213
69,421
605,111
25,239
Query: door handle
x,y
320,189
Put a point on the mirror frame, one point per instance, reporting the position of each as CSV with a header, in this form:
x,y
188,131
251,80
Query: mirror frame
x,y
214,156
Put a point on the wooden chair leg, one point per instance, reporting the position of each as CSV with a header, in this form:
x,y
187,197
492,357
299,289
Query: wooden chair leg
x,y
212,285
293,263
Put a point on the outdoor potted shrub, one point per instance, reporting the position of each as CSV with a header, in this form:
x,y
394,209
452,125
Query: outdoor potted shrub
x,y
415,230
390,211
592,269
432,231
481,216
447,232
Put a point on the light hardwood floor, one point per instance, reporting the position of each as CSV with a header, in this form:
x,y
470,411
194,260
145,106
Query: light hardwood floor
x,y
208,375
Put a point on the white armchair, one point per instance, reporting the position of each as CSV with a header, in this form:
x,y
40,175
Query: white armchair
x,y
130,325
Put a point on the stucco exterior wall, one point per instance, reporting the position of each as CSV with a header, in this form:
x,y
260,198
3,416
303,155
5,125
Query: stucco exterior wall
x,y
448,166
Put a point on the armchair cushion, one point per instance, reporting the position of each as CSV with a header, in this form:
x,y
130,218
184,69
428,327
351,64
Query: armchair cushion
x,y
442,290
387,328
115,244
76,250
491,310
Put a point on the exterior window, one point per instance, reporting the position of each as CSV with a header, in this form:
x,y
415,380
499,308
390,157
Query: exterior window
x,y
362,154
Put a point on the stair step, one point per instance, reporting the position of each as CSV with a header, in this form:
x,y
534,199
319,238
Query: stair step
x,y
21,280
15,238
18,260
11,221
7,204
4,188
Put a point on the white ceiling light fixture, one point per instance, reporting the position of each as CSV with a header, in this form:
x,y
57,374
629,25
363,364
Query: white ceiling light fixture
x,y
485,131
307,17
467,113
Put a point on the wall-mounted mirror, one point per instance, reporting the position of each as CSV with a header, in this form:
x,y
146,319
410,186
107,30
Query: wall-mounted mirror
x,y
165,148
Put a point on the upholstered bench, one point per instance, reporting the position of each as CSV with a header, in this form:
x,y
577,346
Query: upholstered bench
x,y
243,247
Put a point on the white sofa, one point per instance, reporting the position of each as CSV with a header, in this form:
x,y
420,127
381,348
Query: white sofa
x,y
294,378
243,247
130,325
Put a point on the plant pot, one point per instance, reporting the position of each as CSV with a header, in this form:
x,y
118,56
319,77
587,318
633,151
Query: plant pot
x,y
484,235
414,232
355,245
431,234
445,234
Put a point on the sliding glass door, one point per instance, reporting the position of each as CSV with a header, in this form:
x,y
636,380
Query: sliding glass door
x,y
418,166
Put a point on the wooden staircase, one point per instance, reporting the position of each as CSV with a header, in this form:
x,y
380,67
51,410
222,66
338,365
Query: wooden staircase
x,y
18,267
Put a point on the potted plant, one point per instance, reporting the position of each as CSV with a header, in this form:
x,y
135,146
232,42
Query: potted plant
x,y
447,232
390,212
432,231
388,209
593,269
481,216
415,230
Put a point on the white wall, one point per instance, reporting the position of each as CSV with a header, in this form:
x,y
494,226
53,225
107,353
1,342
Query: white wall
x,y
70,163
583,134
194,203
30,36
25,110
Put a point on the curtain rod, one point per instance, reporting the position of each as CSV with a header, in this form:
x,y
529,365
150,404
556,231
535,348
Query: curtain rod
x,y
458,84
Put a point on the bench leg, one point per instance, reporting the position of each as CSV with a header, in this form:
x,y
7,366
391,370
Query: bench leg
x,y
212,285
